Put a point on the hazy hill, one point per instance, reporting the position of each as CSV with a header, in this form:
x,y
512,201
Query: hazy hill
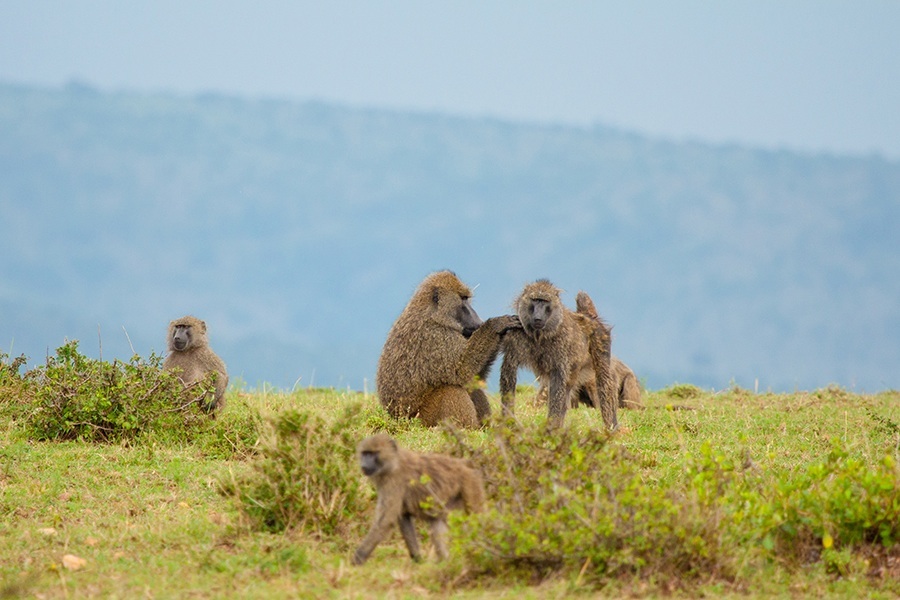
x,y
298,230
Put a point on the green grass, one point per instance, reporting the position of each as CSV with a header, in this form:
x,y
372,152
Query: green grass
x,y
149,518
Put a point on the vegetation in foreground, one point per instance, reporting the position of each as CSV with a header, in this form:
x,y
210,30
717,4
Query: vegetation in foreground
x,y
702,493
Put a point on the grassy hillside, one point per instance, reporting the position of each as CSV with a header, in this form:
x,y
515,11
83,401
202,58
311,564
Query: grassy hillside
x,y
762,494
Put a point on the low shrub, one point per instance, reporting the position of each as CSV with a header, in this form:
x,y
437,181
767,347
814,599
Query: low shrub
x,y
305,476
75,397
563,501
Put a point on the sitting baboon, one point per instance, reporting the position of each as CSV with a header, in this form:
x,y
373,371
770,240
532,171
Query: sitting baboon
x,y
436,354
626,385
191,358
414,486
556,344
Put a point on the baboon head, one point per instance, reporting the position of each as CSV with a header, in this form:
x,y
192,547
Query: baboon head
x,y
185,333
539,307
378,455
450,302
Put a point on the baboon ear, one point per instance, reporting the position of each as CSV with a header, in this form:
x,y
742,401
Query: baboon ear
x,y
394,444
203,326
435,295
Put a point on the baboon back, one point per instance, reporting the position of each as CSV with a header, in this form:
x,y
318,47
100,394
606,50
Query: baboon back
x,y
436,353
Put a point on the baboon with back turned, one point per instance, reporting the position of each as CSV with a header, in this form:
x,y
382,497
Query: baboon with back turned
x,y
626,385
414,486
556,344
436,353
191,358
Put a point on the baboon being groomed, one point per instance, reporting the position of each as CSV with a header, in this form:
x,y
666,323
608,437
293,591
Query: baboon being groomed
x,y
626,385
557,345
191,358
436,354
415,486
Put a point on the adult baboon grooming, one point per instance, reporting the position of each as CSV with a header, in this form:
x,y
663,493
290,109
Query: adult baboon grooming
x,y
626,385
568,350
192,359
436,352
414,486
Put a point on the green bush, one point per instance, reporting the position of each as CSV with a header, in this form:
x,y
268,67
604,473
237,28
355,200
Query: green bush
x,y
305,477
838,502
562,501
75,397
14,388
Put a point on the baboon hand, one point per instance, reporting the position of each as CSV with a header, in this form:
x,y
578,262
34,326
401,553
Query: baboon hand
x,y
501,325
359,557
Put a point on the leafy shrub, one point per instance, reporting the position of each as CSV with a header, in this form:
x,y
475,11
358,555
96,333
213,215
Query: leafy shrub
x,y
305,477
75,397
683,391
568,502
841,501
13,386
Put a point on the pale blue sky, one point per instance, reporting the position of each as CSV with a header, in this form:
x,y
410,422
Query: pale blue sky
x,y
814,76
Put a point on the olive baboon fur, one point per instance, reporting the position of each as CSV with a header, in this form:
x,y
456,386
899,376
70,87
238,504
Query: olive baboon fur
x,y
437,352
191,358
626,385
556,344
415,486
600,343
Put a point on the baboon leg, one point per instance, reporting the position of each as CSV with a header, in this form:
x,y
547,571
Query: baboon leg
x,y
448,403
411,537
591,394
439,538
558,402
481,404
601,356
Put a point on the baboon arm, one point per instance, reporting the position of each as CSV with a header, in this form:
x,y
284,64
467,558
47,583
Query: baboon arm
x,y
410,536
482,348
386,516
508,379
439,538
558,401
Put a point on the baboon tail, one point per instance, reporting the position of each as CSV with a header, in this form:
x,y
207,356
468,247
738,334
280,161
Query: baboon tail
x,y
585,306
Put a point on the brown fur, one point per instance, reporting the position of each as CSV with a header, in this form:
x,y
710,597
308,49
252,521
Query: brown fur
x,y
415,486
626,385
600,343
196,360
555,343
436,354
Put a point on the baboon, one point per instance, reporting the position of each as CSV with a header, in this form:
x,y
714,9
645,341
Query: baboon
x,y
626,385
414,486
556,344
191,358
600,343
436,354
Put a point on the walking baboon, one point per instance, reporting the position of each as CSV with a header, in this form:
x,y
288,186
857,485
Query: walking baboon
x,y
556,344
436,354
626,385
191,358
414,486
